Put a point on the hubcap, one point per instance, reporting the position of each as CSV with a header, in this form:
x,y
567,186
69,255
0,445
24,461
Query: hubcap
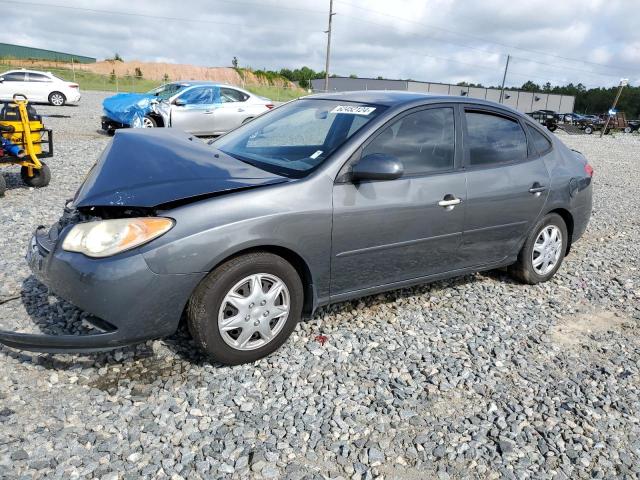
x,y
547,250
56,100
254,311
147,123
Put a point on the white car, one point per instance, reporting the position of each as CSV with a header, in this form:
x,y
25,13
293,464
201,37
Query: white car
x,y
40,87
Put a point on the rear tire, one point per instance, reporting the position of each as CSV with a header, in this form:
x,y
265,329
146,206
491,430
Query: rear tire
x,y
228,315
3,185
627,130
588,130
41,178
57,99
542,253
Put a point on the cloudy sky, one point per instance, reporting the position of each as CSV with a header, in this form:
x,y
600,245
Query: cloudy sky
x,y
590,41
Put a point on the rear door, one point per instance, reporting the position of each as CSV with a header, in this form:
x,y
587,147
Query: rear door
x,y
14,82
386,232
196,115
39,87
507,186
233,110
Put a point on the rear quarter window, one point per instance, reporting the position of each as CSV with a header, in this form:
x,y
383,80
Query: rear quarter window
x,y
541,143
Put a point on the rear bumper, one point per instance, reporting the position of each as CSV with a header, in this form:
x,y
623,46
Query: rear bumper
x,y
132,303
74,97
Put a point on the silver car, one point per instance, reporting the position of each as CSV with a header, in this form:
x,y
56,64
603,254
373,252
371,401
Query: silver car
x,y
200,108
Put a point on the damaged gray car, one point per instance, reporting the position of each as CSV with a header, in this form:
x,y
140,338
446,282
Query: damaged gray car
x,y
327,198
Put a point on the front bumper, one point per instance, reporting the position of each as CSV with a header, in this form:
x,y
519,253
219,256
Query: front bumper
x,y
133,303
109,125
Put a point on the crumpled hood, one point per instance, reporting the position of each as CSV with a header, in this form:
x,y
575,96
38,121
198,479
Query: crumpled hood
x,y
127,107
150,167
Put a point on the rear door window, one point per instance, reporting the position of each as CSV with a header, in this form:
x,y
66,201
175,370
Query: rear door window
x,y
38,77
493,139
228,95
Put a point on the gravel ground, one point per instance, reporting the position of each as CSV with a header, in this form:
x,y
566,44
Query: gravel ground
x,y
473,377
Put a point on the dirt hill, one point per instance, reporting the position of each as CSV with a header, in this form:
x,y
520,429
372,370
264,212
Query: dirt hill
x,y
160,71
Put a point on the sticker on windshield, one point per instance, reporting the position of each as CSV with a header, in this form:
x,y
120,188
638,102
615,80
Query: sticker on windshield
x,y
316,155
353,110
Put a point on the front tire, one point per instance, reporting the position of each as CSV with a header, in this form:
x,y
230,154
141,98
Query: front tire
x,y
41,178
149,122
246,308
588,130
543,252
57,99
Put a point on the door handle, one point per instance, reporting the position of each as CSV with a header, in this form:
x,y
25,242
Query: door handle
x,y
537,189
241,109
209,112
449,202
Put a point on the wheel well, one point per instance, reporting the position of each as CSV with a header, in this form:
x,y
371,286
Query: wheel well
x,y
158,119
568,221
294,259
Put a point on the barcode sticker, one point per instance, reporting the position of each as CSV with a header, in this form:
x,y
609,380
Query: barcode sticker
x,y
353,109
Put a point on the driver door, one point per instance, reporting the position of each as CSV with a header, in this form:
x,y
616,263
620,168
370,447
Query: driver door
x,y
393,231
194,110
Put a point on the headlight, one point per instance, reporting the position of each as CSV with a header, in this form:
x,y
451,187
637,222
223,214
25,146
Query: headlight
x,y
108,237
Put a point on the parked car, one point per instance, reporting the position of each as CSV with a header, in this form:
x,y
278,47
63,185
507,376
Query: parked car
x,y
201,108
38,87
327,198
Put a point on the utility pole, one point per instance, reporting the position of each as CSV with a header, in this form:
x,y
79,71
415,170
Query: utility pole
x,y
504,78
328,32
623,83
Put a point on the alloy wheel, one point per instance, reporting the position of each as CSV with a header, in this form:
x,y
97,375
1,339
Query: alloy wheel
x,y
57,99
547,250
148,123
254,311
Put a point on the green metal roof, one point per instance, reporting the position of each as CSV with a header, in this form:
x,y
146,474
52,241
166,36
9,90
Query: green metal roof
x,y
8,50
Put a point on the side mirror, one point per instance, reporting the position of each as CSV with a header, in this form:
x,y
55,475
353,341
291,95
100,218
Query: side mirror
x,y
377,166
179,102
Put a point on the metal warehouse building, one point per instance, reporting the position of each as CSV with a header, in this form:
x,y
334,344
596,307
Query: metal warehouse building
x,y
517,99
8,50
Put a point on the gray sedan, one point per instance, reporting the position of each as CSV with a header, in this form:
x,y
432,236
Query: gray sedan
x,y
325,199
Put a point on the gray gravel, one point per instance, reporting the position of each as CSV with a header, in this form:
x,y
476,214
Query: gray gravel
x,y
473,377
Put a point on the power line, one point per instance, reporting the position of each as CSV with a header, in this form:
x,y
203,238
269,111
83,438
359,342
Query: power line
x,y
435,27
163,17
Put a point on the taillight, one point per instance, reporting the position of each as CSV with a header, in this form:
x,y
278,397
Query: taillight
x,y
74,85
588,169
269,105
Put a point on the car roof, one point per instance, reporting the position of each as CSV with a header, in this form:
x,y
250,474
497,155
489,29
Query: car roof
x,y
193,83
395,98
24,70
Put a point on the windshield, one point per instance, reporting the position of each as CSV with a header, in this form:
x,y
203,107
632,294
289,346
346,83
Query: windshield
x,y
296,138
164,92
